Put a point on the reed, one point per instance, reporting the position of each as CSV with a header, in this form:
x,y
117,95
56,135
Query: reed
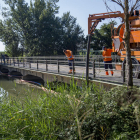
x,y
74,113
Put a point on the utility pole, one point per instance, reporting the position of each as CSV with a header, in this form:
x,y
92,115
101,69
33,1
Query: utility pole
x,y
87,60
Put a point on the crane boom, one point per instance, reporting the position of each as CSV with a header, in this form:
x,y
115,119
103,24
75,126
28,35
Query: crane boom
x,y
117,35
94,19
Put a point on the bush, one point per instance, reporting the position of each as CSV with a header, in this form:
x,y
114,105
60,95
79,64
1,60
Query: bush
x,y
72,113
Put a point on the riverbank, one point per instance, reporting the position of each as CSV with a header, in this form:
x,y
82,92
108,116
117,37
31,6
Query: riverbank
x,y
76,113
34,85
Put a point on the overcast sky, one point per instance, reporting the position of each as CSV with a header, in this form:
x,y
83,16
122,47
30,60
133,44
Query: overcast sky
x,y
80,9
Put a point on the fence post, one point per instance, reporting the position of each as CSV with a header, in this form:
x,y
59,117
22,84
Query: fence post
x,y
10,61
14,61
23,62
18,62
99,63
30,64
93,68
4,60
46,66
123,72
58,66
37,64
73,69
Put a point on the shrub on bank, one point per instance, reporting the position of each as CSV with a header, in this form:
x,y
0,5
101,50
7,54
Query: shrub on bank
x,y
72,113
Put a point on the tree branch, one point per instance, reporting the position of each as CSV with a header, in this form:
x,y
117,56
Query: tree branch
x,y
134,6
107,7
119,2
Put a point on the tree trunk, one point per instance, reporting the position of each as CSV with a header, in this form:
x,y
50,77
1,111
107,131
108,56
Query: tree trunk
x,y
127,46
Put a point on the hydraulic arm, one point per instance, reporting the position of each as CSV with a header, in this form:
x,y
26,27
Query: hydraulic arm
x,y
94,19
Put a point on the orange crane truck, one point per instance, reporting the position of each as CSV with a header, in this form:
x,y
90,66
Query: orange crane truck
x,y
118,44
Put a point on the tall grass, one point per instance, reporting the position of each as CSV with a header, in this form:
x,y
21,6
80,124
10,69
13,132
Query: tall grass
x,y
72,114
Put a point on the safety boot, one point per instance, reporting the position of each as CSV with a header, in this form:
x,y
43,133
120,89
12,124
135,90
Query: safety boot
x,y
70,72
112,73
106,73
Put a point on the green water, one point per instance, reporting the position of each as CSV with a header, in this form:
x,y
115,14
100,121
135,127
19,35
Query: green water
x,y
12,87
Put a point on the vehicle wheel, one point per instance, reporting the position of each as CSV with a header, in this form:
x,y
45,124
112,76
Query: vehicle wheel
x,y
135,68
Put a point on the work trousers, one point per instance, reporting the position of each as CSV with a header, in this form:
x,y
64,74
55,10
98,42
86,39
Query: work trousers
x,y
71,64
3,57
108,64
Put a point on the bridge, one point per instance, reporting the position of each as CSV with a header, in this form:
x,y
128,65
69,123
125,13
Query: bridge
x,y
55,68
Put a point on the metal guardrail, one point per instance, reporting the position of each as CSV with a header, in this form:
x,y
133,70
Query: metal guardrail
x,y
59,64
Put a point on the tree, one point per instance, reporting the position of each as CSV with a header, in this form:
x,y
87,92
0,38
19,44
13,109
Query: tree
x,y
44,27
102,37
35,25
10,38
71,32
127,5
16,15
37,28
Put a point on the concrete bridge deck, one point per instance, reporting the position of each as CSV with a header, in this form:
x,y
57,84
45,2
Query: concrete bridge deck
x,y
63,71
45,67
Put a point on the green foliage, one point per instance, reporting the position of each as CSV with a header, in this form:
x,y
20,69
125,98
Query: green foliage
x,y
2,53
10,37
11,28
71,32
102,37
37,30
72,113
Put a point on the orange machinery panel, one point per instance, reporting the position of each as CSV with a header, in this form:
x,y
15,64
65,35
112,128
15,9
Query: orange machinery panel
x,y
135,23
133,53
134,36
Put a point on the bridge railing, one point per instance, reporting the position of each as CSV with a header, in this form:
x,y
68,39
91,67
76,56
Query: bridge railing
x,y
59,64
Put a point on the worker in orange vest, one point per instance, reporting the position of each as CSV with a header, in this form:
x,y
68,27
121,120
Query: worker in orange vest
x,y
70,57
107,60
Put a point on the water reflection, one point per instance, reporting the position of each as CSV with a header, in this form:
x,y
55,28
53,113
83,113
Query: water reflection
x,y
3,92
12,87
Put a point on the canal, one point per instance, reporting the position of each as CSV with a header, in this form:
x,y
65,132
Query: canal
x,y
15,88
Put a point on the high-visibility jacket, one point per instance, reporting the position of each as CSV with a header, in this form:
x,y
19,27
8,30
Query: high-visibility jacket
x,y
69,55
107,55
